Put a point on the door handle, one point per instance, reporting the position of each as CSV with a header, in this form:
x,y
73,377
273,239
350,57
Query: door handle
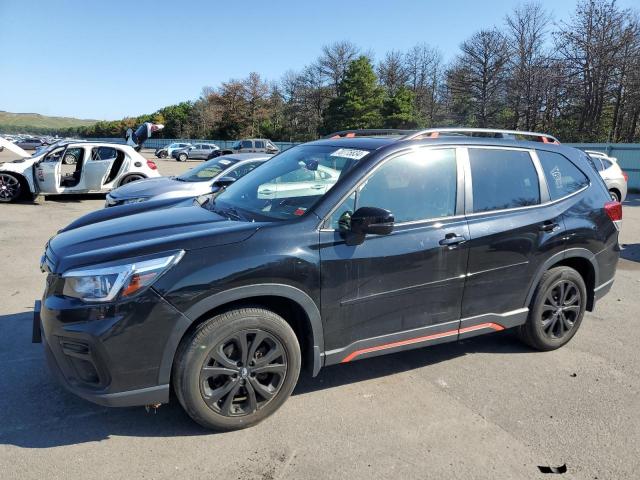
x,y
548,226
452,240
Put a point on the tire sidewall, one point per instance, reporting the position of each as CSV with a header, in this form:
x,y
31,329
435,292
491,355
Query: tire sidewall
x,y
553,276
194,355
18,195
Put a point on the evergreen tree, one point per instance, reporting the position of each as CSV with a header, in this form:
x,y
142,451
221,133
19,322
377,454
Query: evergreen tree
x,y
359,99
398,110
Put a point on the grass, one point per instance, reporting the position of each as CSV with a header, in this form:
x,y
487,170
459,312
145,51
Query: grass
x,y
15,121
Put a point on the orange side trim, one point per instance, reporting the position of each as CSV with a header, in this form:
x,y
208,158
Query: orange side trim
x,y
411,341
434,134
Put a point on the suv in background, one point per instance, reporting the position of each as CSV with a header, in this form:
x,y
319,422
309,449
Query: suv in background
x,y
615,178
247,145
197,151
429,237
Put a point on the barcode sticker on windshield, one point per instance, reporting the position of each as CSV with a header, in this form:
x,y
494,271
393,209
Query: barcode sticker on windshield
x,y
349,153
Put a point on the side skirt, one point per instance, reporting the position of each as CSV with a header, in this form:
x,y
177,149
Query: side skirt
x,y
425,336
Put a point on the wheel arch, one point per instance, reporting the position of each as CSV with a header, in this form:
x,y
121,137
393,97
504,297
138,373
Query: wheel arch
x,y
291,303
127,175
580,259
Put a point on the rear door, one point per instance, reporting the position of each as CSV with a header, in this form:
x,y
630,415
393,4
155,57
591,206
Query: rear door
x,y
404,288
512,228
97,167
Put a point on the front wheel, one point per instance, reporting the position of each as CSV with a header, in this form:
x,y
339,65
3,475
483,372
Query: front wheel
x,y
556,311
162,154
10,188
182,157
615,196
69,159
237,368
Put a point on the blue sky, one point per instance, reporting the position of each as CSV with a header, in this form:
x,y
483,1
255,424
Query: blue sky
x,y
108,59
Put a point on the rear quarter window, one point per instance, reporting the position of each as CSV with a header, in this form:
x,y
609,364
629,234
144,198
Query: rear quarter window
x,y
563,177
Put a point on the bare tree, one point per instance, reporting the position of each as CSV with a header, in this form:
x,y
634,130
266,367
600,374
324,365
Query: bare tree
x,y
477,78
424,70
392,72
335,60
528,61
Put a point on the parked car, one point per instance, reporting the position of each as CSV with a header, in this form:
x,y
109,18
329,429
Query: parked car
x,y
197,181
98,167
432,237
167,151
29,143
615,178
261,145
197,151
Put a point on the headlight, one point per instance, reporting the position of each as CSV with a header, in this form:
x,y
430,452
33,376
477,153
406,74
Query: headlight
x,y
103,284
134,200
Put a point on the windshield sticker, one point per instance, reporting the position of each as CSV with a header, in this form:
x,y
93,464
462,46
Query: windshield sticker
x,y
224,162
300,211
557,176
349,153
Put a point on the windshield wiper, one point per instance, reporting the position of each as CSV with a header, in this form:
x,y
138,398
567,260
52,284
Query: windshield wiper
x,y
178,179
230,212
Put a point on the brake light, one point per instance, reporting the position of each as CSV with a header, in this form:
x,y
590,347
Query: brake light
x,y
152,165
614,212
626,176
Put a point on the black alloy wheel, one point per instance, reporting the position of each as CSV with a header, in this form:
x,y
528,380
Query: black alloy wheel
x,y
562,305
10,188
243,373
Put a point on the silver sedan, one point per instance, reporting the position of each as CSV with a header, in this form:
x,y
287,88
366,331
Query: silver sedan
x,y
203,179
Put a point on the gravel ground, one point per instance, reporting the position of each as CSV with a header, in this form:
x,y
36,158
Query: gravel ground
x,y
483,408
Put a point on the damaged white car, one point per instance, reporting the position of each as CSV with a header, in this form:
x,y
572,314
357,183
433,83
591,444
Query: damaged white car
x,y
96,167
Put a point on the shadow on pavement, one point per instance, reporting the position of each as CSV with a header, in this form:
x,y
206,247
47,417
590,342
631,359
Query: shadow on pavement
x,y
38,413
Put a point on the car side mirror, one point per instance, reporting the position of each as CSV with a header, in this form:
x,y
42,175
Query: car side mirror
x,y
366,220
222,182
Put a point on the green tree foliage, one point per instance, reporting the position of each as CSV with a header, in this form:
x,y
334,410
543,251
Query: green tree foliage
x,y
398,110
359,100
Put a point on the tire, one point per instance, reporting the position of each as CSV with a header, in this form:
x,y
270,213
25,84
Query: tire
x,y
182,157
10,187
162,155
556,310
223,393
69,159
131,178
615,196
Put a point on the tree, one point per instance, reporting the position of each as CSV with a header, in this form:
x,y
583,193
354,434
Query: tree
x,y
398,110
359,99
424,70
392,73
477,78
335,60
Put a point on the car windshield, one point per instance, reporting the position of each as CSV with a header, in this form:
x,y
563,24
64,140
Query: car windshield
x,y
289,184
207,170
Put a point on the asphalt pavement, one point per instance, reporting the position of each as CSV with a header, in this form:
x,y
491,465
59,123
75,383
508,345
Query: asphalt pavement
x,y
486,408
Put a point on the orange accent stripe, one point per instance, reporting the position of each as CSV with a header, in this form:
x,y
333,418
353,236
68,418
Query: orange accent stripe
x,y
411,341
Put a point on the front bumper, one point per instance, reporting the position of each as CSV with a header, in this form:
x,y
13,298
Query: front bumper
x,y
118,354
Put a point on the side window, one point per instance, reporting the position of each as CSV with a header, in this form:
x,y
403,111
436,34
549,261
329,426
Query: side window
x,y
246,144
103,153
502,179
606,164
415,186
563,177
299,175
242,170
259,144
596,162
346,208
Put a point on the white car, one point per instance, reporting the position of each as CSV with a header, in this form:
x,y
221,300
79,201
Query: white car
x,y
611,173
95,167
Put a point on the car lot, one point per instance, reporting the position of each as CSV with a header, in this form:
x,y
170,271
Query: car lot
x,y
484,408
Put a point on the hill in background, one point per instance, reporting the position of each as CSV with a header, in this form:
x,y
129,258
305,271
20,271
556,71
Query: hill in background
x,y
28,122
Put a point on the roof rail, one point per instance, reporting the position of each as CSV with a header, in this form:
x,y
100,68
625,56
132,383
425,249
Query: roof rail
x,y
480,132
370,132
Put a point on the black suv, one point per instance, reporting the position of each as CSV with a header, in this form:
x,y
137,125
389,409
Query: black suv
x,y
333,251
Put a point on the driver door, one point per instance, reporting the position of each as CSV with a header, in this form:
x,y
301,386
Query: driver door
x,y
97,167
48,172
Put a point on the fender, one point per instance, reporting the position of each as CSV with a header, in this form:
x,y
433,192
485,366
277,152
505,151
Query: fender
x,y
564,255
240,293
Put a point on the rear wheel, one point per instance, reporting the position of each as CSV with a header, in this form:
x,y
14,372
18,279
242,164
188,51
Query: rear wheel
x,y
615,196
69,159
182,157
131,178
10,188
556,310
162,154
237,368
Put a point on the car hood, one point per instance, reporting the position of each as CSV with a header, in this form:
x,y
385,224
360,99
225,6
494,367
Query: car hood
x,y
12,147
183,228
151,187
20,165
